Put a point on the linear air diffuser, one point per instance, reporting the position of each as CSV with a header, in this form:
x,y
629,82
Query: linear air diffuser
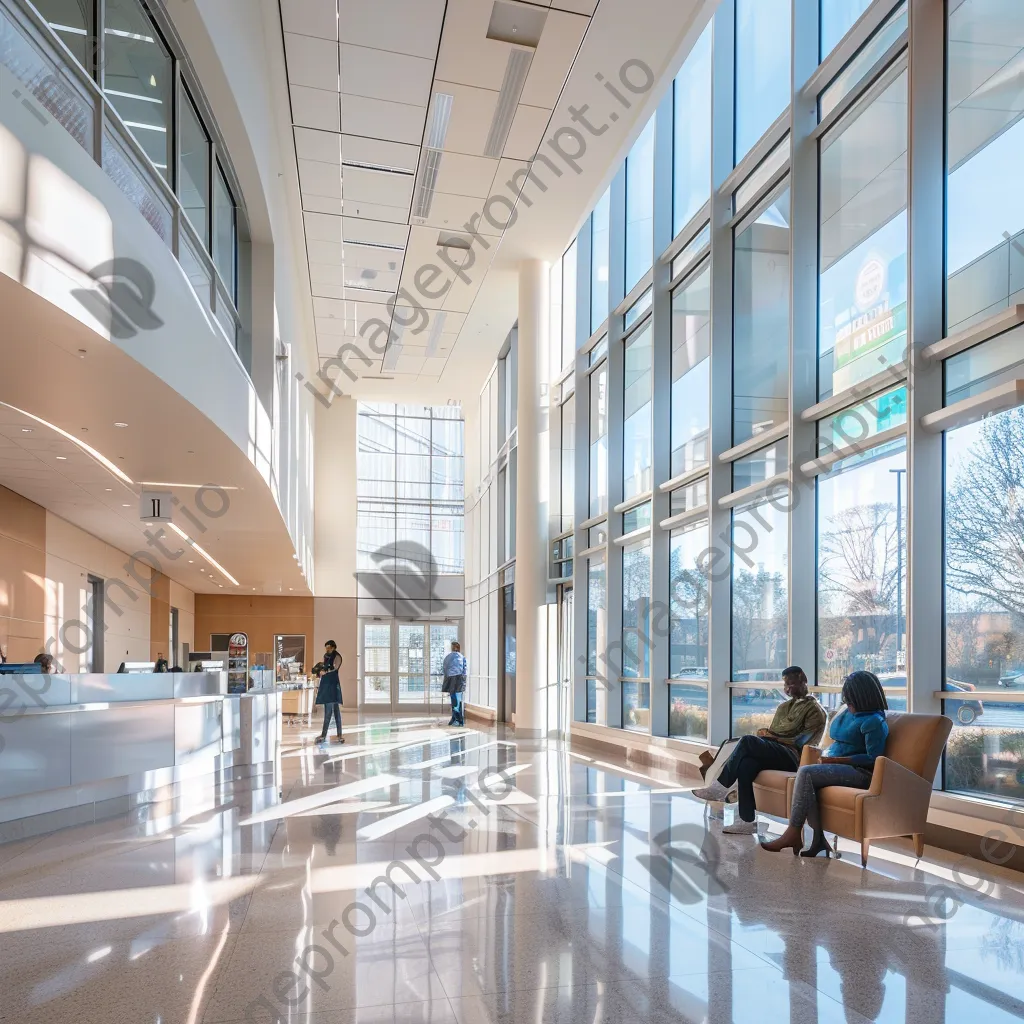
x,y
516,70
430,163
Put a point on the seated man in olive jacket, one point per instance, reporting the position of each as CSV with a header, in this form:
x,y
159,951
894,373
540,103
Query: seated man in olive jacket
x,y
797,721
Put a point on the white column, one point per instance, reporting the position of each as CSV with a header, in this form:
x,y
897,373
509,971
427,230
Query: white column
x,y
534,690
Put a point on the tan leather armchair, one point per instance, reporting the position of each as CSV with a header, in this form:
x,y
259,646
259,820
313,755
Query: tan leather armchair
x,y
896,804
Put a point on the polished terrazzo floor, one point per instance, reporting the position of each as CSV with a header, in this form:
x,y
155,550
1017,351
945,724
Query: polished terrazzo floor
x,y
549,886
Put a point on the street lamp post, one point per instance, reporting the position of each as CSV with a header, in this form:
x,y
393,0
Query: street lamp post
x,y
899,563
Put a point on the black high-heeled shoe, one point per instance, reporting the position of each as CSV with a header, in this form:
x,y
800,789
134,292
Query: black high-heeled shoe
x,y
818,843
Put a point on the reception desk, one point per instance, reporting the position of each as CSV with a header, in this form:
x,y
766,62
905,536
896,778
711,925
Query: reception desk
x,y
78,741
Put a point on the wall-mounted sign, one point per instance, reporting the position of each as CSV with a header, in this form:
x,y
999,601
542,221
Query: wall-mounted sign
x,y
155,506
238,663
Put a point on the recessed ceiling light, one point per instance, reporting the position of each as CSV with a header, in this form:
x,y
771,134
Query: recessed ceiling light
x,y
191,560
26,430
108,488
62,458
126,506
120,424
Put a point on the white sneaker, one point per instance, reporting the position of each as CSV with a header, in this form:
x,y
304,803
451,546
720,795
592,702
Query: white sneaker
x,y
715,792
741,828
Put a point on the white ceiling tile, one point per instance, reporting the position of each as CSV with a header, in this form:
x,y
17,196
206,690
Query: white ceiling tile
x,y
323,227
453,212
311,17
319,179
321,204
464,175
586,7
315,145
396,25
379,153
315,108
409,363
527,132
385,76
326,291
472,113
374,232
377,211
461,296
330,253
434,367
312,62
379,119
371,257
381,187
554,58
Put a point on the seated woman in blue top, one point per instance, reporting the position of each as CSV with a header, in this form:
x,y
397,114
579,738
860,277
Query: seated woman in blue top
x,y
858,737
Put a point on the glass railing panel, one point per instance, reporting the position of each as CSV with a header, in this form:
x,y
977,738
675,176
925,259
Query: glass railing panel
x,y
196,269
128,174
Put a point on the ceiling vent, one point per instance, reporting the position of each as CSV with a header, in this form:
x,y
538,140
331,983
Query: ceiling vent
x,y
431,161
516,70
516,24
450,240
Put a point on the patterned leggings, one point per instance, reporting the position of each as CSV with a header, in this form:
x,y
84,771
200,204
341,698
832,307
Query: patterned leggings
x,y
813,777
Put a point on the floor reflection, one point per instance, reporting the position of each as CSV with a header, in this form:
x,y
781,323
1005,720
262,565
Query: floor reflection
x,y
427,874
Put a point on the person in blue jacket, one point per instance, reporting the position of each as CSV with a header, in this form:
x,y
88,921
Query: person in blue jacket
x,y
328,692
858,738
454,669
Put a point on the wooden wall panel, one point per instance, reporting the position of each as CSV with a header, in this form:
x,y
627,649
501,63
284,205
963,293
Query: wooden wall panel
x,y
22,576
260,617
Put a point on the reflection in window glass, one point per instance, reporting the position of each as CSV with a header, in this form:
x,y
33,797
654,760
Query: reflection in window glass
x,y
760,626
691,373
761,465
137,78
862,555
761,322
837,18
640,207
692,496
994,362
691,173
636,631
985,603
688,602
863,291
763,45
688,710
72,21
754,709
224,232
599,261
599,441
597,637
637,518
569,305
568,466
985,152
636,431
862,421
193,168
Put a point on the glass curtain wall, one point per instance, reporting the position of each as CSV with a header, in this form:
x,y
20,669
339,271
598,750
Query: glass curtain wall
x,y
714,668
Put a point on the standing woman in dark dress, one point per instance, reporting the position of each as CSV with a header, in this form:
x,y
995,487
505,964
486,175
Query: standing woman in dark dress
x,y
328,692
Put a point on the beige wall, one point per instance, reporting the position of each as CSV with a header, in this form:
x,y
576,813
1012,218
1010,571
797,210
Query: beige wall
x,y
72,555
185,601
334,618
22,576
334,564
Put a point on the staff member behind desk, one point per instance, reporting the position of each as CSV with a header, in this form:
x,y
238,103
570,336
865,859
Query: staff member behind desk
x,y
797,721
454,669
328,692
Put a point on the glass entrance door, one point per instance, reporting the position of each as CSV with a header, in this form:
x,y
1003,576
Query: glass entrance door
x,y
402,663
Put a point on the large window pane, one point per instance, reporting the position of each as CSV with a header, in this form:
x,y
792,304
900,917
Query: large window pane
x,y
72,21
688,602
760,625
640,207
636,629
194,168
985,603
555,318
863,292
763,46
568,466
137,78
761,322
224,248
691,157
599,261
837,18
862,556
599,441
985,366
691,373
636,430
597,638
568,306
985,152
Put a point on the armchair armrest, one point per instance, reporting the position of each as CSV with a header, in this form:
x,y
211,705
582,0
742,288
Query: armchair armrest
x,y
810,755
896,803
